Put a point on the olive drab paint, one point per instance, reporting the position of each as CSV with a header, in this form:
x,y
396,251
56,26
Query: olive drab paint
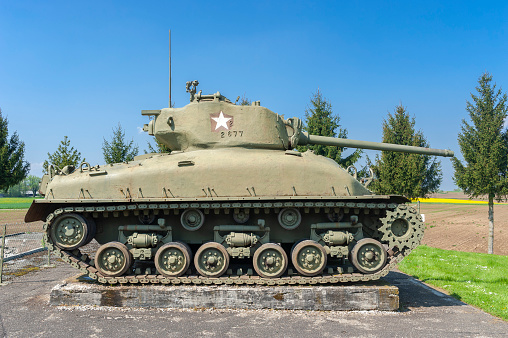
x,y
232,199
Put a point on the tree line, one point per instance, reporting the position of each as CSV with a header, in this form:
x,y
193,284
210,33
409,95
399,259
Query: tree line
x,y
410,175
483,142
28,187
116,150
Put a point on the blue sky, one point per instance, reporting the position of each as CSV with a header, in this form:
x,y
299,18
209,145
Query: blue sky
x,y
79,68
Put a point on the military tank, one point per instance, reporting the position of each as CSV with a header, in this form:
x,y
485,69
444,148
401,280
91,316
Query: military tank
x,y
233,203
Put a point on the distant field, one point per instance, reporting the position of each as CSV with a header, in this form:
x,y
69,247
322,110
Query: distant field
x,y
474,278
464,227
455,201
15,218
15,202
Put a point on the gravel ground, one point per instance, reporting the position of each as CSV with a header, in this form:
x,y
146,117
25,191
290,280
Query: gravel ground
x,y
425,312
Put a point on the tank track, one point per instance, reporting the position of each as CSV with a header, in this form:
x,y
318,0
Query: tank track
x,y
83,262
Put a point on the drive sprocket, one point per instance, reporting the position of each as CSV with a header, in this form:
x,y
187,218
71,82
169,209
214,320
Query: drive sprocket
x,y
402,228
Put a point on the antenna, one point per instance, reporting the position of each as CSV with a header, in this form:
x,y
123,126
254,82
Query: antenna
x,y
169,68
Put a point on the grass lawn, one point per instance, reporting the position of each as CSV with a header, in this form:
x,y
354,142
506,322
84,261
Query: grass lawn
x,y
15,202
477,279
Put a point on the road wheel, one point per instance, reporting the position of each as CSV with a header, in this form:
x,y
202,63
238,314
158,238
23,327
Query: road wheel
x,y
211,260
309,258
368,255
270,260
173,259
113,259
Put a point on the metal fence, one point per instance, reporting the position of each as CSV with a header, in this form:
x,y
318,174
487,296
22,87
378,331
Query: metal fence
x,y
22,249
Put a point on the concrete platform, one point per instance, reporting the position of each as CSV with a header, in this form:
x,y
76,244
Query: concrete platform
x,y
358,297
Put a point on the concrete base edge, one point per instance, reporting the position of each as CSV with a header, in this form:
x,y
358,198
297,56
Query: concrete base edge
x,y
357,297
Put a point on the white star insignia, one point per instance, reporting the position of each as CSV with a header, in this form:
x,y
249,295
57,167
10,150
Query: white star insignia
x,y
221,121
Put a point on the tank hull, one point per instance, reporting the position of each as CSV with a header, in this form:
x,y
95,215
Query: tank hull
x,y
217,173
247,206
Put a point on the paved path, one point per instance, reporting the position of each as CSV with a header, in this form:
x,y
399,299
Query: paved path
x,y
426,313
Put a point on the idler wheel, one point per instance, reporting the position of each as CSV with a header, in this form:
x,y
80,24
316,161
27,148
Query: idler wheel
x,y
70,231
368,255
113,259
211,260
290,218
173,259
309,258
192,219
270,260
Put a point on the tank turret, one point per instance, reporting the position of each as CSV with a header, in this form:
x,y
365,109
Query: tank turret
x,y
213,121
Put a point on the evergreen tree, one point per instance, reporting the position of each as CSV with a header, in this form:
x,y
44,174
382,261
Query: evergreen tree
x,y
245,101
411,175
63,156
158,148
13,167
118,150
483,143
321,121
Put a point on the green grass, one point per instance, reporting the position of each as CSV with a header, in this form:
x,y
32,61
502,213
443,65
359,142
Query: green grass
x,y
15,202
477,279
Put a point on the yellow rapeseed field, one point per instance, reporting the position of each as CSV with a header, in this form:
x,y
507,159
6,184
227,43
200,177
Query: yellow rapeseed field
x,y
452,201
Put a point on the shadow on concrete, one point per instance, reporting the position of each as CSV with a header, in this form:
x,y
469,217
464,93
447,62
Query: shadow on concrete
x,y
24,282
413,293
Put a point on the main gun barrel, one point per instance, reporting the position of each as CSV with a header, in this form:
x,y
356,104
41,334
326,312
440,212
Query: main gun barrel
x,y
305,138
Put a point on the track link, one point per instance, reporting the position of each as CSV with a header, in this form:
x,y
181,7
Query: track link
x,y
82,262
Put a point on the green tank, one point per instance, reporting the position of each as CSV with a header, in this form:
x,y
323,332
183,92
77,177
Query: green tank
x,y
233,203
